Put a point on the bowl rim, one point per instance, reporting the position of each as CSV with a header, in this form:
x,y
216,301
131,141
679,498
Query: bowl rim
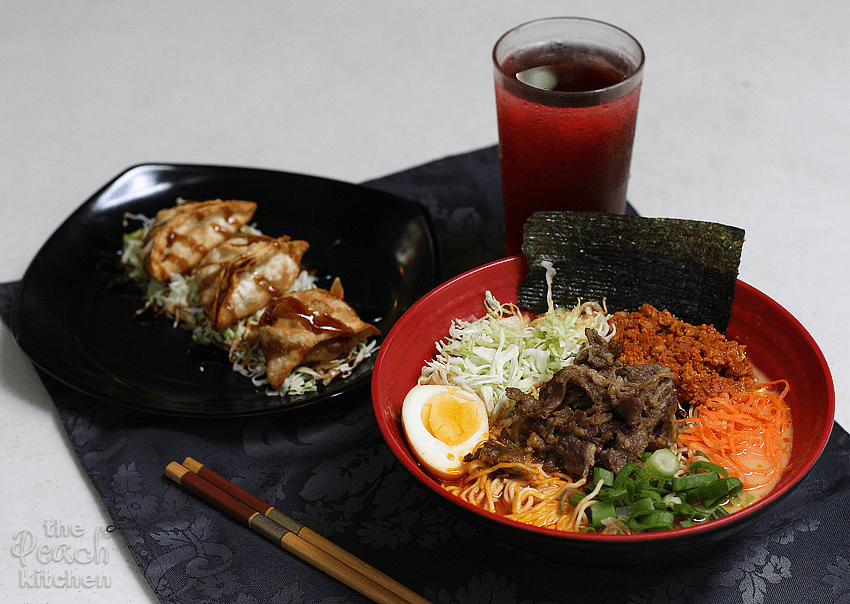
x,y
384,362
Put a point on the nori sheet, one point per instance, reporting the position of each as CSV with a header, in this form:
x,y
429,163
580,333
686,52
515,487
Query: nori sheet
x,y
688,267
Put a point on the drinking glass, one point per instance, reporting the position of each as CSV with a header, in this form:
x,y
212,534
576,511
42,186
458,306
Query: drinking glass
x,y
567,92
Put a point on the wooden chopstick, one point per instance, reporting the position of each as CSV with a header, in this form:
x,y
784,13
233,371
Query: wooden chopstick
x,y
302,531
289,534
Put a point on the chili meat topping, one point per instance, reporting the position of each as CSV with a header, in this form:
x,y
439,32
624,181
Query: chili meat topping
x,y
704,361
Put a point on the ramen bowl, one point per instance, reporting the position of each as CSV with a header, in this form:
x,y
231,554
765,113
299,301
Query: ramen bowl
x,y
777,345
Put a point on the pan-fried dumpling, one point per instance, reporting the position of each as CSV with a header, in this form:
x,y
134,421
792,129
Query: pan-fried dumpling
x,y
242,275
182,235
310,326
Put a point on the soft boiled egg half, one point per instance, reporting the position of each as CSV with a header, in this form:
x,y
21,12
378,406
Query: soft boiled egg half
x,y
442,425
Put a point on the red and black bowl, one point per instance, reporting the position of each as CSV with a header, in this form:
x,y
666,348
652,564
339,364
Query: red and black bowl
x,y
777,344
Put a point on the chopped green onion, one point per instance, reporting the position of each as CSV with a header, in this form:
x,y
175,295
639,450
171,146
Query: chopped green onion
x,y
651,497
711,467
646,493
576,498
657,520
735,486
620,494
691,481
599,511
622,478
671,499
663,463
709,493
604,475
642,506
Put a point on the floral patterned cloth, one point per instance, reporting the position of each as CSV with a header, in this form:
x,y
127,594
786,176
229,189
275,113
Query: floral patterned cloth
x,y
330,469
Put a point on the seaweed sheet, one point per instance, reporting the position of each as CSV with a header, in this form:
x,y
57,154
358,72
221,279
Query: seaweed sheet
x,y
688,267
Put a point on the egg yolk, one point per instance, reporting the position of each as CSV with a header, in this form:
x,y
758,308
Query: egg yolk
x,y
450,419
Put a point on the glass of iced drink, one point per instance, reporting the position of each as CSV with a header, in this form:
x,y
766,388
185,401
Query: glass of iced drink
x,y
567,93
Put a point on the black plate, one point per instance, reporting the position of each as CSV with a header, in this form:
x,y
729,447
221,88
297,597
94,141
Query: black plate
x,y
78,326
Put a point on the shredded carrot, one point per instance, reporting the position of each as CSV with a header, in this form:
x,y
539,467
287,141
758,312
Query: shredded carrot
x,y
746,432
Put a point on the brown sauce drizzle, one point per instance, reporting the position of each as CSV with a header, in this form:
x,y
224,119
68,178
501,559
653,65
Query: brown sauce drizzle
x,y
181,262
317,322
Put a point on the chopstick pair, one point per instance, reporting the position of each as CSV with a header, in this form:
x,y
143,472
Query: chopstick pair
x,y
292,536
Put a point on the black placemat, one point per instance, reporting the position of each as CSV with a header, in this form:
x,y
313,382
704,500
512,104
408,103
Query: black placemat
x,y
330,469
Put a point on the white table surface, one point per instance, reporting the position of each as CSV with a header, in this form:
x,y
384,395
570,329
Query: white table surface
x,y
743,120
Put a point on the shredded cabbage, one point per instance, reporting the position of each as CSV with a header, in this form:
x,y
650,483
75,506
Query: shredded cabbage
x,y
508,349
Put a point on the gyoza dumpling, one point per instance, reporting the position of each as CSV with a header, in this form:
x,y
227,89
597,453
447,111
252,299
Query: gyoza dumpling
x,y
308,327
242,275
182,235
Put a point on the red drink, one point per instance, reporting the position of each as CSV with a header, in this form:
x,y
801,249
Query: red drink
x,y
566,125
